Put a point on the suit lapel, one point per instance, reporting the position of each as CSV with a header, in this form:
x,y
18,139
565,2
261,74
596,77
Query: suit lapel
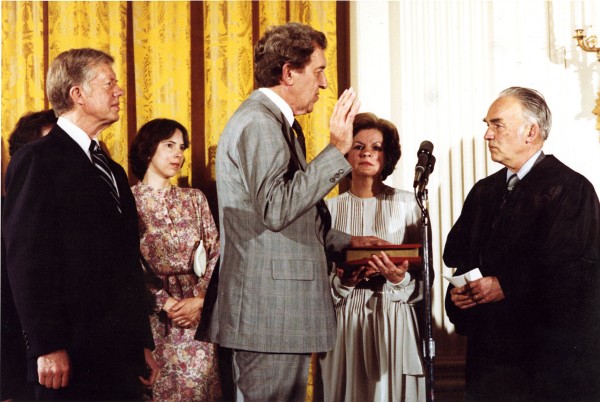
x,y
286,130
83,172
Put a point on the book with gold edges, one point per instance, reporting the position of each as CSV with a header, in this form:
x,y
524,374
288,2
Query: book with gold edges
x,y
398,253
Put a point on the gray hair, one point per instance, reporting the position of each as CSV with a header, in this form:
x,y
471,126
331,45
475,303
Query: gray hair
x,y
69,69
534,106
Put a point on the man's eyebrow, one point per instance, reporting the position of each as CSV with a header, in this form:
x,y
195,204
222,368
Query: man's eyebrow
x,y
494,120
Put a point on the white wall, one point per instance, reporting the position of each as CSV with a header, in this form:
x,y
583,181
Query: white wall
x,y
434,67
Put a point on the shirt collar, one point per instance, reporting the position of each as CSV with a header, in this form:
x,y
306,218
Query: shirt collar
x,y
525,168
280,103
76,133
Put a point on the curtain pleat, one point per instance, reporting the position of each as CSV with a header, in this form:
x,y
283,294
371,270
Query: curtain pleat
x,y
228,66
23,64
161,53
271,13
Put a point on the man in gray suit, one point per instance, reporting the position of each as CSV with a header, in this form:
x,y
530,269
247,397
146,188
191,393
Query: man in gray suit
x,y
274,305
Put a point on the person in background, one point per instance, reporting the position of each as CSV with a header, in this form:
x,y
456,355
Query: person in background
x,y
72,246
377,351
13,363
31,126
533,230
274,306
172,221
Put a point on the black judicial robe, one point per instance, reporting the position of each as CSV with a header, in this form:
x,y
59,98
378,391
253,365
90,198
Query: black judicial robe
x,y
543,341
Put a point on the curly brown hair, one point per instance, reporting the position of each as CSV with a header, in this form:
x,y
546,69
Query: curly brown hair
x,y
291,43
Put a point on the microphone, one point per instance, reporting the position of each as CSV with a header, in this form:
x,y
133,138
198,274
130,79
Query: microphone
x,y
425,150
425,176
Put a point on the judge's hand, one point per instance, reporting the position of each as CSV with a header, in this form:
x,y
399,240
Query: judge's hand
x,y
186,313
480,291
351,277
367,241
54,369
485,290
342,118
390,271
152,367
461,298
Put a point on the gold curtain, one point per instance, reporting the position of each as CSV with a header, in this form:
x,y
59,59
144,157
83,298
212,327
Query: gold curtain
x,y
184,60
23,74
162,65
229,69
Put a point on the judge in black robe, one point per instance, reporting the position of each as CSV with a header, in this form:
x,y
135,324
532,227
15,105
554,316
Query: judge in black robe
x,y
540,341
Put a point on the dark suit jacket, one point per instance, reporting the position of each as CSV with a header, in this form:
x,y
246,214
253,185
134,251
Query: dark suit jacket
x,y
72,260
13,364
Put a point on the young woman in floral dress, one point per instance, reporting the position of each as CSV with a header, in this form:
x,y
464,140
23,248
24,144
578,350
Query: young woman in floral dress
x,y
172,221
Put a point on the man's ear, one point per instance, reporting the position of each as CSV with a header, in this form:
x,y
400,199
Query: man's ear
x,y
76,94
287,76
534,134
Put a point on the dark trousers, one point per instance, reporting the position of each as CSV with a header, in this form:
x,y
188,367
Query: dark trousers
x,y
91,392
112,378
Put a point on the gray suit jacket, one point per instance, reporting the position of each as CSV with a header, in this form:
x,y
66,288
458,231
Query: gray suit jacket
x,y
273,293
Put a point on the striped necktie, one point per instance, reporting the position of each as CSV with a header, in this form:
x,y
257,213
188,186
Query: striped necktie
x,y
99,160
512,182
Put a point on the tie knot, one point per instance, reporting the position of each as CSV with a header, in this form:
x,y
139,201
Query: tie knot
x,y
94,148
512,182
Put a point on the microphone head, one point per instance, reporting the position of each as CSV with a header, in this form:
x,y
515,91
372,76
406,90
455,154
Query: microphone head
x,y
425,147
424,165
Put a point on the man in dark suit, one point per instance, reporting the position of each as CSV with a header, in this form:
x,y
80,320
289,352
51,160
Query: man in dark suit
x,y
274,304
72,244
533,230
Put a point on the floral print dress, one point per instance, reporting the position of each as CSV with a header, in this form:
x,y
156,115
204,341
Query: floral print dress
x,y
171,222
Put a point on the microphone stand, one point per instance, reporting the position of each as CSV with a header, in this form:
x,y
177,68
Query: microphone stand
x,y
428,342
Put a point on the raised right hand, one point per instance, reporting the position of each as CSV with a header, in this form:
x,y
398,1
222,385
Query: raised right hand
x,y
342,119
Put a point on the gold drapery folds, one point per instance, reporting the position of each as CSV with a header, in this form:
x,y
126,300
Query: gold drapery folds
x,y
185,60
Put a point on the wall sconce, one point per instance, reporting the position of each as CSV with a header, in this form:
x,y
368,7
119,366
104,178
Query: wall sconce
x,y
587,44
